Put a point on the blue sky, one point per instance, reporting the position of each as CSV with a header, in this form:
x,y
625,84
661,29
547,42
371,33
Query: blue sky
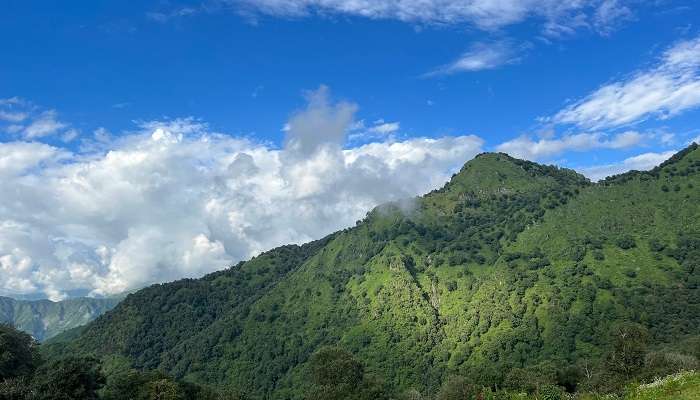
x,y
397,88
107,63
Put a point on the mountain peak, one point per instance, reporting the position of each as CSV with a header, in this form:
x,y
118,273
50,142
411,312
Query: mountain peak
x,y
500,170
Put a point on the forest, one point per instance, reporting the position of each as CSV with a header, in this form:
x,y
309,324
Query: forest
x,y
513,281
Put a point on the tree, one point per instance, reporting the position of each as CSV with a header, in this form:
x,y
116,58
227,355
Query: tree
x,y
626,242
333,366
129,384
337,375
18,355
15,389
165,389
71,378
457,388
629,347
532,378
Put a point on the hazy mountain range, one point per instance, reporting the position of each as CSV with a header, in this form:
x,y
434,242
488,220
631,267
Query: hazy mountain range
x,y
44,319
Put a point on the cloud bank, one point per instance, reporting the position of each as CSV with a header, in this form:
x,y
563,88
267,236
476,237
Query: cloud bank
x,y
176,200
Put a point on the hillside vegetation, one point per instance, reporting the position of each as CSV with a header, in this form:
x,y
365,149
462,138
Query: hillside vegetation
x,y
513,276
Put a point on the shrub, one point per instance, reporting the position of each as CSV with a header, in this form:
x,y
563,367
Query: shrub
x,y
626,242
550,392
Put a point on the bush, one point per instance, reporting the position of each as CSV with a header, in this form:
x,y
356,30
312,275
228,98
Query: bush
x,y
656,245
626,242
550,392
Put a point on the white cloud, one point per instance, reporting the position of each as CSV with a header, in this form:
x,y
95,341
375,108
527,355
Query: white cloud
x,y
485,14
164,17
668,89
358,132
177,200
385,128
531,149
16,158
642,162
320,124
482,56
14,117
22,118
70,135
44,125
609,14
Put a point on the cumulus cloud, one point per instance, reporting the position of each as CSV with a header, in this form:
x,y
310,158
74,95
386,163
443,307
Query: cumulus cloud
x,y
176,200
485,14
538,149
642,162
482,56
669,88
320,124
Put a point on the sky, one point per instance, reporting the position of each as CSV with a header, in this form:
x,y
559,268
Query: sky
x,y
142,142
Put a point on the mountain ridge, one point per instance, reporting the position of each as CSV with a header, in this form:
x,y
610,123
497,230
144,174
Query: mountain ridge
x,y
44,319
510,264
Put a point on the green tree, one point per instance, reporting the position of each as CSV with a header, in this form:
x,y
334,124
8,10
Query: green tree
x,y
165,389
629,347
457,388
337,375
18,355
70,378
128,384
15,389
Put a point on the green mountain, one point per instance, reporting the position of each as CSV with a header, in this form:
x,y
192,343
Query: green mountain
x,y
44,319
510,265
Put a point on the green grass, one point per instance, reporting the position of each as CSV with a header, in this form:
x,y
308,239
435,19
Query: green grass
x,y
681,386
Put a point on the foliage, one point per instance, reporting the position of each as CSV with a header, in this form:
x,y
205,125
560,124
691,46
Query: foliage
x,y
337,375
457,388
70,378
18,354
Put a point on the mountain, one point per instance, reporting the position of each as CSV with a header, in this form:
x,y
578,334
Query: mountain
x,y
44,319
510,265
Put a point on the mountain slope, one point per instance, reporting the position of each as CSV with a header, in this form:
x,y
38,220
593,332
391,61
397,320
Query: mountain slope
x,y
509,264
44,319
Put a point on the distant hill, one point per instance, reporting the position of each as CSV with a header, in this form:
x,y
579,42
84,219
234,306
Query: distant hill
x,y
44,319
510,265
